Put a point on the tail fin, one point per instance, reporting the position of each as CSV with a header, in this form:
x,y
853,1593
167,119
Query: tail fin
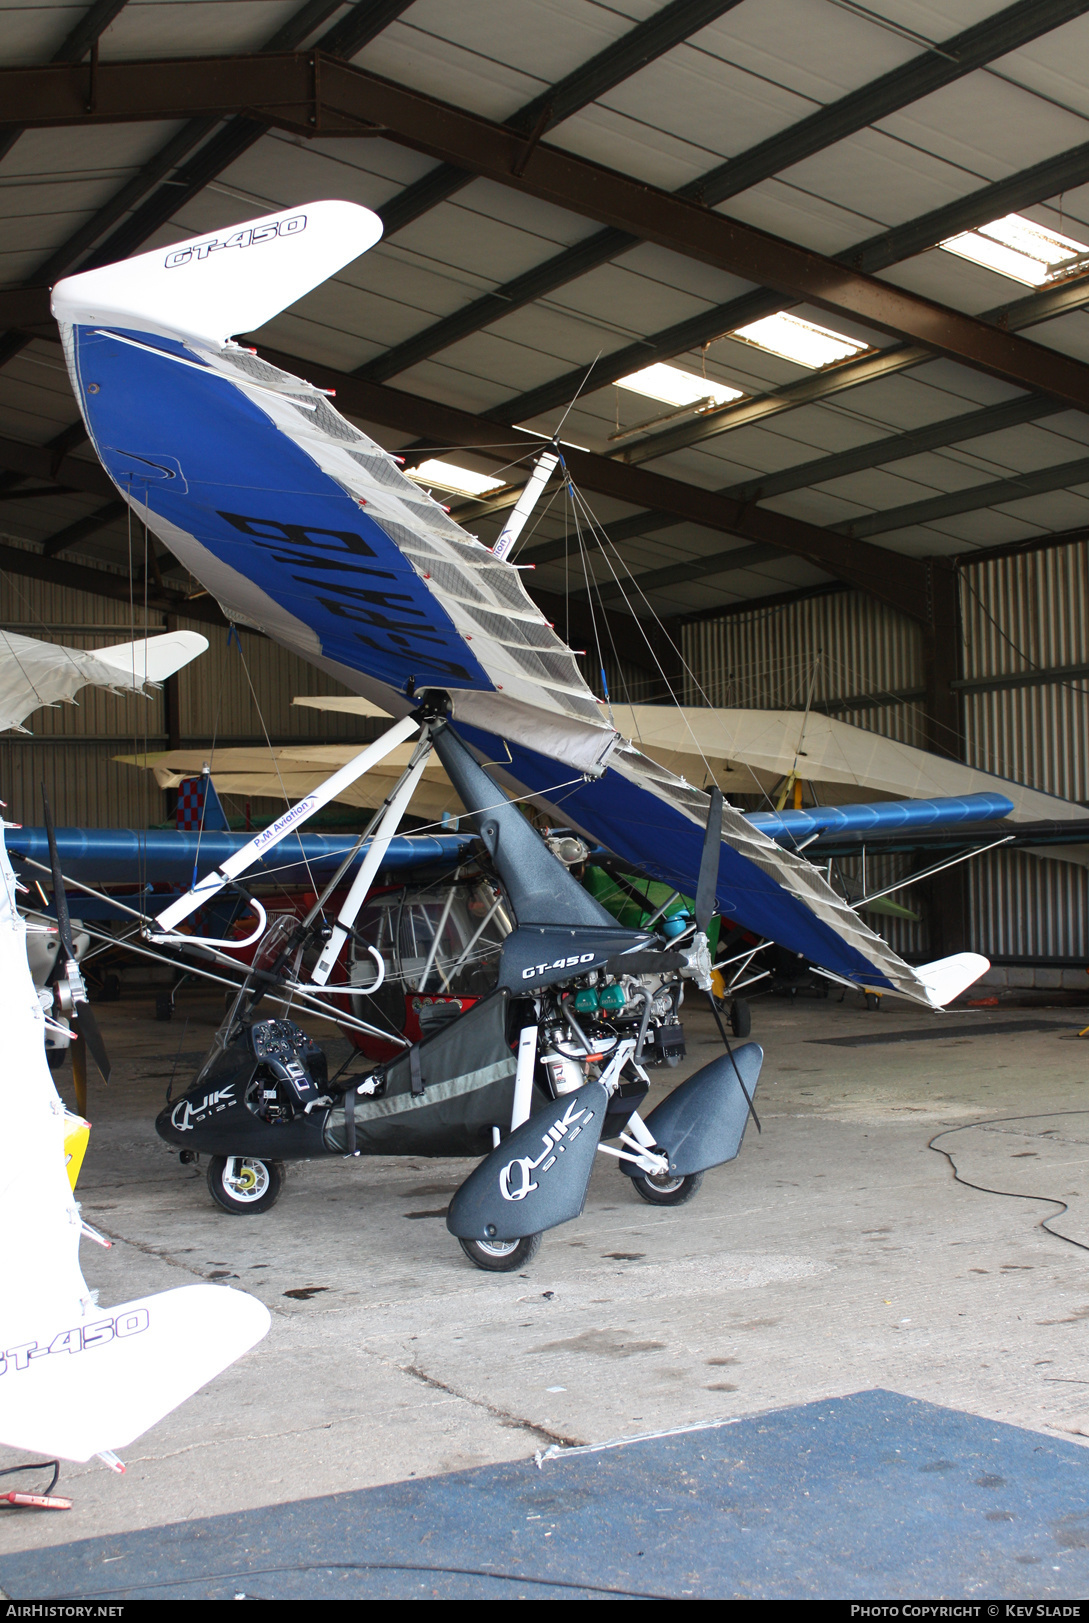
x,y
199,806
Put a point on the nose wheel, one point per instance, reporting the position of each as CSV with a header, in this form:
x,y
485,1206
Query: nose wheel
x,y
241,1184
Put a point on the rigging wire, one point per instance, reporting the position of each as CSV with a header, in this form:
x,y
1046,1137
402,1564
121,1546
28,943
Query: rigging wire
x,y
593,616
585,380
609,631
607,547
272,752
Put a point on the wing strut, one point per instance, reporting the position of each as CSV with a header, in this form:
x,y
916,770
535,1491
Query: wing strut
x,y
168,920
376,854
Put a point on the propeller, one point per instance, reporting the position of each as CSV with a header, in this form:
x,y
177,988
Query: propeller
x,y
708,880
705,906
71,991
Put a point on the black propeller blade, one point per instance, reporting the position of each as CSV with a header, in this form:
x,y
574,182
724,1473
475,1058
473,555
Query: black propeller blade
x,y
708,880
60,895
87,1029
82,1017
705,907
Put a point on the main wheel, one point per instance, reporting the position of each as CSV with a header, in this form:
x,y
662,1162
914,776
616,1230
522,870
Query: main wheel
x,y
501,1256
662,1190
240,1184
740,1017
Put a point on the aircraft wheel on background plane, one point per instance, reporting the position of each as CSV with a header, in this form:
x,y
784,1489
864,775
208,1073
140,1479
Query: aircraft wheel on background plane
x,y
664,1190
55,1058
501,1256
740,1017
241,1184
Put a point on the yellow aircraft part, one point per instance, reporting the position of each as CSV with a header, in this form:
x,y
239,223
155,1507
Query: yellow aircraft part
x,y
718,984
76,1133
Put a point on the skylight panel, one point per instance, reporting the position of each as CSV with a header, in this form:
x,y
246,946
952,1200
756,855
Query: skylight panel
x,y
798,340
1020,249
678,388
448,476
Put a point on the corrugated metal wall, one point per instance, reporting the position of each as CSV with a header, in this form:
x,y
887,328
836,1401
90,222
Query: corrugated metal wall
x,y
73,746
1020,613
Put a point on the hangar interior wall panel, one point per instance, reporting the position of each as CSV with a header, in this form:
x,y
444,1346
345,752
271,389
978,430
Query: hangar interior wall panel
x,y
824,650
864,664
1029,611
73,745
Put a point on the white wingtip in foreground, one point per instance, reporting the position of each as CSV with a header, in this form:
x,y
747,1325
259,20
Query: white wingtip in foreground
x,y
77,1379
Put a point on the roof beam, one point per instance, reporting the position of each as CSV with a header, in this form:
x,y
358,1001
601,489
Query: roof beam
x,y
19,494
962,54
60,444
895,579
873,454
39,462
634,587
890,448
102,582
1040,306
146,214
1048,179
83,37
359,99
626,56
946,505
82,529
927,511
366,19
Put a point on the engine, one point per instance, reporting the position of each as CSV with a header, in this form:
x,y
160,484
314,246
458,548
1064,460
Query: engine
x,y
583,1022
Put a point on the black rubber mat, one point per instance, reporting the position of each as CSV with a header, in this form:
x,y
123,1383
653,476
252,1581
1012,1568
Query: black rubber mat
x,y
870,1495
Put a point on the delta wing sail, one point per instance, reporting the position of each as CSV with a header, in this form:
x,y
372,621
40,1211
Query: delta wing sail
x,y
302,526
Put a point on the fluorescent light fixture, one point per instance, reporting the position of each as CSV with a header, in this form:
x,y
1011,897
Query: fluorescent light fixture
x,y
448,476
800,341
1020,249
678,388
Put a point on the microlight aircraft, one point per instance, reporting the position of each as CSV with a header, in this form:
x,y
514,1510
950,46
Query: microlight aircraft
x,y
303,527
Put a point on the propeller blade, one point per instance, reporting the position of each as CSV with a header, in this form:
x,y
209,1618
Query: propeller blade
x,y
87,1030
708,880
60,895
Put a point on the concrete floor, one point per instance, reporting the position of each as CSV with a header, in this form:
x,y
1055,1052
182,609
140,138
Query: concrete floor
x,y
836,1254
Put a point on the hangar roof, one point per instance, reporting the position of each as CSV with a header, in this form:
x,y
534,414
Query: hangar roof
x,y
522,274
